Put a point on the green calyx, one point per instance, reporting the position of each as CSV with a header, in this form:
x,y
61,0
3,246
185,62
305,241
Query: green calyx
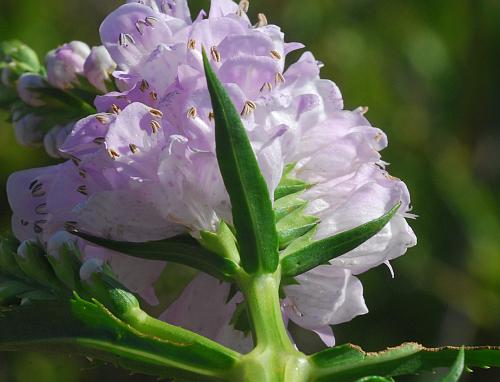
x,y
101,284
66,263
31,259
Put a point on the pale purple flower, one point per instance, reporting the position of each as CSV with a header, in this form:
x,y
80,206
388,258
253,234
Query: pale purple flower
x,y
65,63
195,302
26,88
98,67
144,168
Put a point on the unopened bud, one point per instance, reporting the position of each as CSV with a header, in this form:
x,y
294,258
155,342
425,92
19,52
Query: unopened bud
x,y
99,282
98,67
55,138
27,86
64,256
17,58
16,51
32,261
28,128
65,63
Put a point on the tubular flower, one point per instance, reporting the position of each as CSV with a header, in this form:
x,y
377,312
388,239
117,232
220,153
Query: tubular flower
x,y
151,148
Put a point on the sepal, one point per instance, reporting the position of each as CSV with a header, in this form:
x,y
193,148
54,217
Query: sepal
x,y
32,261
98,281
64,256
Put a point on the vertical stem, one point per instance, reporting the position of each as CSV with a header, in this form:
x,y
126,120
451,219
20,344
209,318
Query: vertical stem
x,y
262,299
275,358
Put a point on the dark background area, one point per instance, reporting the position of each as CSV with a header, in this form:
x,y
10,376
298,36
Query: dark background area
x,y
430,73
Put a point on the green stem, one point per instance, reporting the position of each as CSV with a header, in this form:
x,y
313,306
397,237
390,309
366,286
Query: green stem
x,y
262,299
144,323
275,358
191,352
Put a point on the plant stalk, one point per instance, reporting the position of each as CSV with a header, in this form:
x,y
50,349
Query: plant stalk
x,y
275,358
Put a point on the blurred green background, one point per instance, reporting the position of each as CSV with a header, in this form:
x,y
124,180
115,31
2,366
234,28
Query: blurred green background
x,y
430,72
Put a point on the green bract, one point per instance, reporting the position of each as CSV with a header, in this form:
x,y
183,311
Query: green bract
x,y
252,209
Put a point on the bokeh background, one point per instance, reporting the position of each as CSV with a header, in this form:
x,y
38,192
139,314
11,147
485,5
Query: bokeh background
x,y
430,73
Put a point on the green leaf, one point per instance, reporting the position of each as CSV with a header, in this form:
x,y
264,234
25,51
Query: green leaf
x,y
375,379
252,209
321,251
182,249
300,242
87,328
289,185
287,204
221,242
294,225
345,363
457,369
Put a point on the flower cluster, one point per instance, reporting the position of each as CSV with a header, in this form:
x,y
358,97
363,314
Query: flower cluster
x,y
48,104
144,167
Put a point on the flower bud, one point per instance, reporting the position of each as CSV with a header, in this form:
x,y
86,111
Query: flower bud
x,y
32,261
98,280
98,67
8,264
28,128
26,88
64,256
17,58
54,139
65,63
